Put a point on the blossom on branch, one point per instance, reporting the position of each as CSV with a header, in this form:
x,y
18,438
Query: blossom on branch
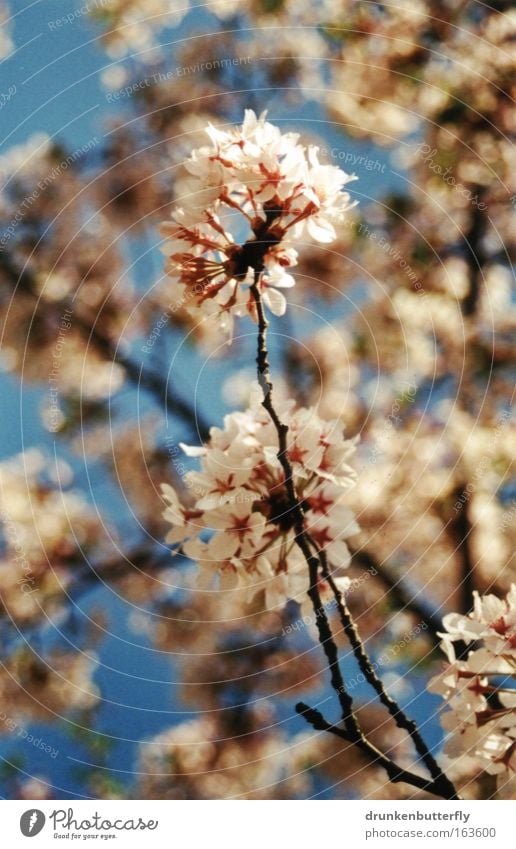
x,y
241,524
263,180
480,691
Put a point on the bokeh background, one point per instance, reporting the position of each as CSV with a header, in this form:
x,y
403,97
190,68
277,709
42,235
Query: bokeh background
x,y
119,679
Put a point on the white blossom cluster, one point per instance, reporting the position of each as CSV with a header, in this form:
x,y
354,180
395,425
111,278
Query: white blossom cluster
x,y
241,524
480,691
134,26
258,177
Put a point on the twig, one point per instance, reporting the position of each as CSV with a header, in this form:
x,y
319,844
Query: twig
x,y
364,661
440,785
323,625
395,772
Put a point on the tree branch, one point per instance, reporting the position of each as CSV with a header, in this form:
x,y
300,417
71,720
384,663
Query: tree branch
x,y
364,662
460,530
138,375
145,378
440,785
395,772
406,600
475,254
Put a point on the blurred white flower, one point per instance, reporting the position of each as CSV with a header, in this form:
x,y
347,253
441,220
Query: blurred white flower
x,y
479,691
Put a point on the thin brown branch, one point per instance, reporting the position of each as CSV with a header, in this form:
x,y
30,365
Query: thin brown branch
x,y
395,772
323,625
366,666
441,786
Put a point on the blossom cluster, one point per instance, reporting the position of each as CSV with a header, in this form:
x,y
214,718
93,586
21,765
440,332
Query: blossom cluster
x,y
480,691
45,528
267,181
241,523
202,759
133,26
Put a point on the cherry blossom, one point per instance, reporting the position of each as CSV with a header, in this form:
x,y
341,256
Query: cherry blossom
x,y
241,525
479,691
201,759
258,177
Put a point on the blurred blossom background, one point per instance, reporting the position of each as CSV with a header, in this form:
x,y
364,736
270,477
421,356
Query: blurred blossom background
x,y
119,677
